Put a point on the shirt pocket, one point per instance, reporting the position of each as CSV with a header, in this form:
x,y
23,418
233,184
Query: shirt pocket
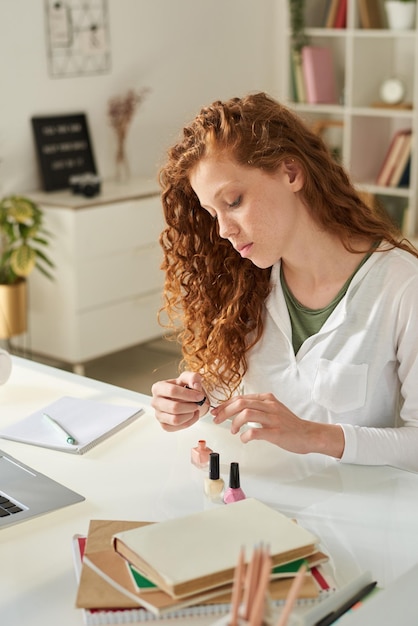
x,y
340,387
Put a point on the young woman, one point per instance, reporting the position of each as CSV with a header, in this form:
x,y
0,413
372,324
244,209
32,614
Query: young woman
x,y
296,303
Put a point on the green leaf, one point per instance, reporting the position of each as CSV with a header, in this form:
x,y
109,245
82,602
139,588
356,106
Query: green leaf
x,y
22,237
22,260
21,210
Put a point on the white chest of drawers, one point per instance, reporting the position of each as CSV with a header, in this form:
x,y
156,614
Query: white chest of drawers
x,y
108,283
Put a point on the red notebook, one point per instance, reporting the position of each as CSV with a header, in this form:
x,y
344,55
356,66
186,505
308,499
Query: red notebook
x,y
319,75
341,18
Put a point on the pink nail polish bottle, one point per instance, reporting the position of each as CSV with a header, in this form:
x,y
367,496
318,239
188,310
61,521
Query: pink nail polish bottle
x,y
234,491
200,454
214,484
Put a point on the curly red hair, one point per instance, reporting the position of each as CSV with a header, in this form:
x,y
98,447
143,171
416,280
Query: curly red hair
x,y
214,299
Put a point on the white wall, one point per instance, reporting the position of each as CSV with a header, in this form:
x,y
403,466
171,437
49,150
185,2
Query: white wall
x,y
189,52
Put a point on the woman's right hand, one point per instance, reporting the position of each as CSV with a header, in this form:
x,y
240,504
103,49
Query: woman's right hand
x,y
176,401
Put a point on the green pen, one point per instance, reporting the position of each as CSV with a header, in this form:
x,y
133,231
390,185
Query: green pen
x,y
69,438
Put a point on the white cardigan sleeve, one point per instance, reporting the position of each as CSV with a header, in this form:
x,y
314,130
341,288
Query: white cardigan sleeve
x,y
381,446
394,446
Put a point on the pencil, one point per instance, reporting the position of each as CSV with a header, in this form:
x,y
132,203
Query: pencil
x,y
250,582
259,601
237,589
292,596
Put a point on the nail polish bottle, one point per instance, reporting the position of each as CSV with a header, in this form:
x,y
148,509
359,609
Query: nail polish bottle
x,y
200,454
214,484
234,491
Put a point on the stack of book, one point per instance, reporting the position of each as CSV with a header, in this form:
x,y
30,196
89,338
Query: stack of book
x,y
185,566
395,168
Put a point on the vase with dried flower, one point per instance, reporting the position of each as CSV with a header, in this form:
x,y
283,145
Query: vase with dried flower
x,y
121,111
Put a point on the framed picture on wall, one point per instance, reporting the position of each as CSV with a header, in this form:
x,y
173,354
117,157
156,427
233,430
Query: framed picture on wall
x,y
63,148
78,42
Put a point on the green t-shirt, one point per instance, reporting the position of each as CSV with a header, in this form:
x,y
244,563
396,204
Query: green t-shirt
x,y
305,321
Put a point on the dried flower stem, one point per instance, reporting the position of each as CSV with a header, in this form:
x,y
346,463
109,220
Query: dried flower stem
x,y
121,110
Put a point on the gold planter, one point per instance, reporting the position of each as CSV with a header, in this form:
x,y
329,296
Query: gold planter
x,y
13,309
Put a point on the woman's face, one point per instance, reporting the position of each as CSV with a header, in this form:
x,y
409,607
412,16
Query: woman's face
x,y
256,211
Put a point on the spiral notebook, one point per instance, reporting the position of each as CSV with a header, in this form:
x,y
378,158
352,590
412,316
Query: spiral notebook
x,y
71,424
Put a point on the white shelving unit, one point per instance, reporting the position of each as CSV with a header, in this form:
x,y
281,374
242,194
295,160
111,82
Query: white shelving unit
x,y
363,59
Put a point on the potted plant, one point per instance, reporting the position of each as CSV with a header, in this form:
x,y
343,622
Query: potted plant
x,y
22,241
400,14
297,24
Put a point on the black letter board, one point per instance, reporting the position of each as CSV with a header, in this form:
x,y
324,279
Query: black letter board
x,y
63,147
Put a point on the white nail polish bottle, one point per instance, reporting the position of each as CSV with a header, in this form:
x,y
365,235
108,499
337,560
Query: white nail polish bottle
x,y
214,485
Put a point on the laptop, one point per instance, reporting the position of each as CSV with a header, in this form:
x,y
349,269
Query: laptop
x,y
26,493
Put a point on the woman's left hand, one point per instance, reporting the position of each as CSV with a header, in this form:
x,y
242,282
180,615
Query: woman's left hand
x,y
278,425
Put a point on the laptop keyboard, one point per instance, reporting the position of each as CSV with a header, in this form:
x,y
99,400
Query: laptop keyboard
x,y
8,507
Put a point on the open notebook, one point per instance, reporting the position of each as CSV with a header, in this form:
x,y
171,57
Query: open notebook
x,y
71,424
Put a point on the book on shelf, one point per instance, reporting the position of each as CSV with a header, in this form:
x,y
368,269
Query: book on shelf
x,y
297,76
292,79
391,159
341,17
115,610
319,75
370,14
196,553
403,164
335,15
406,175
331,13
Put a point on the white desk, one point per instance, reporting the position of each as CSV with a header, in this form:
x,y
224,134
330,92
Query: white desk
x,y
367,517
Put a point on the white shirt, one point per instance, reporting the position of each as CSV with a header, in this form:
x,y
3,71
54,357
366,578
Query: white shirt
x,y
360,370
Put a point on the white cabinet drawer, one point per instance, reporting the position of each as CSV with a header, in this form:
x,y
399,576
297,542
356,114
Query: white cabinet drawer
x,y
118,326
118,276
113,227
75,338
107,286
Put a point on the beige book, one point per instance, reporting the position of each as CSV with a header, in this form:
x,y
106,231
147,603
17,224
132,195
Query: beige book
x,y
190,554
105,581
404,155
